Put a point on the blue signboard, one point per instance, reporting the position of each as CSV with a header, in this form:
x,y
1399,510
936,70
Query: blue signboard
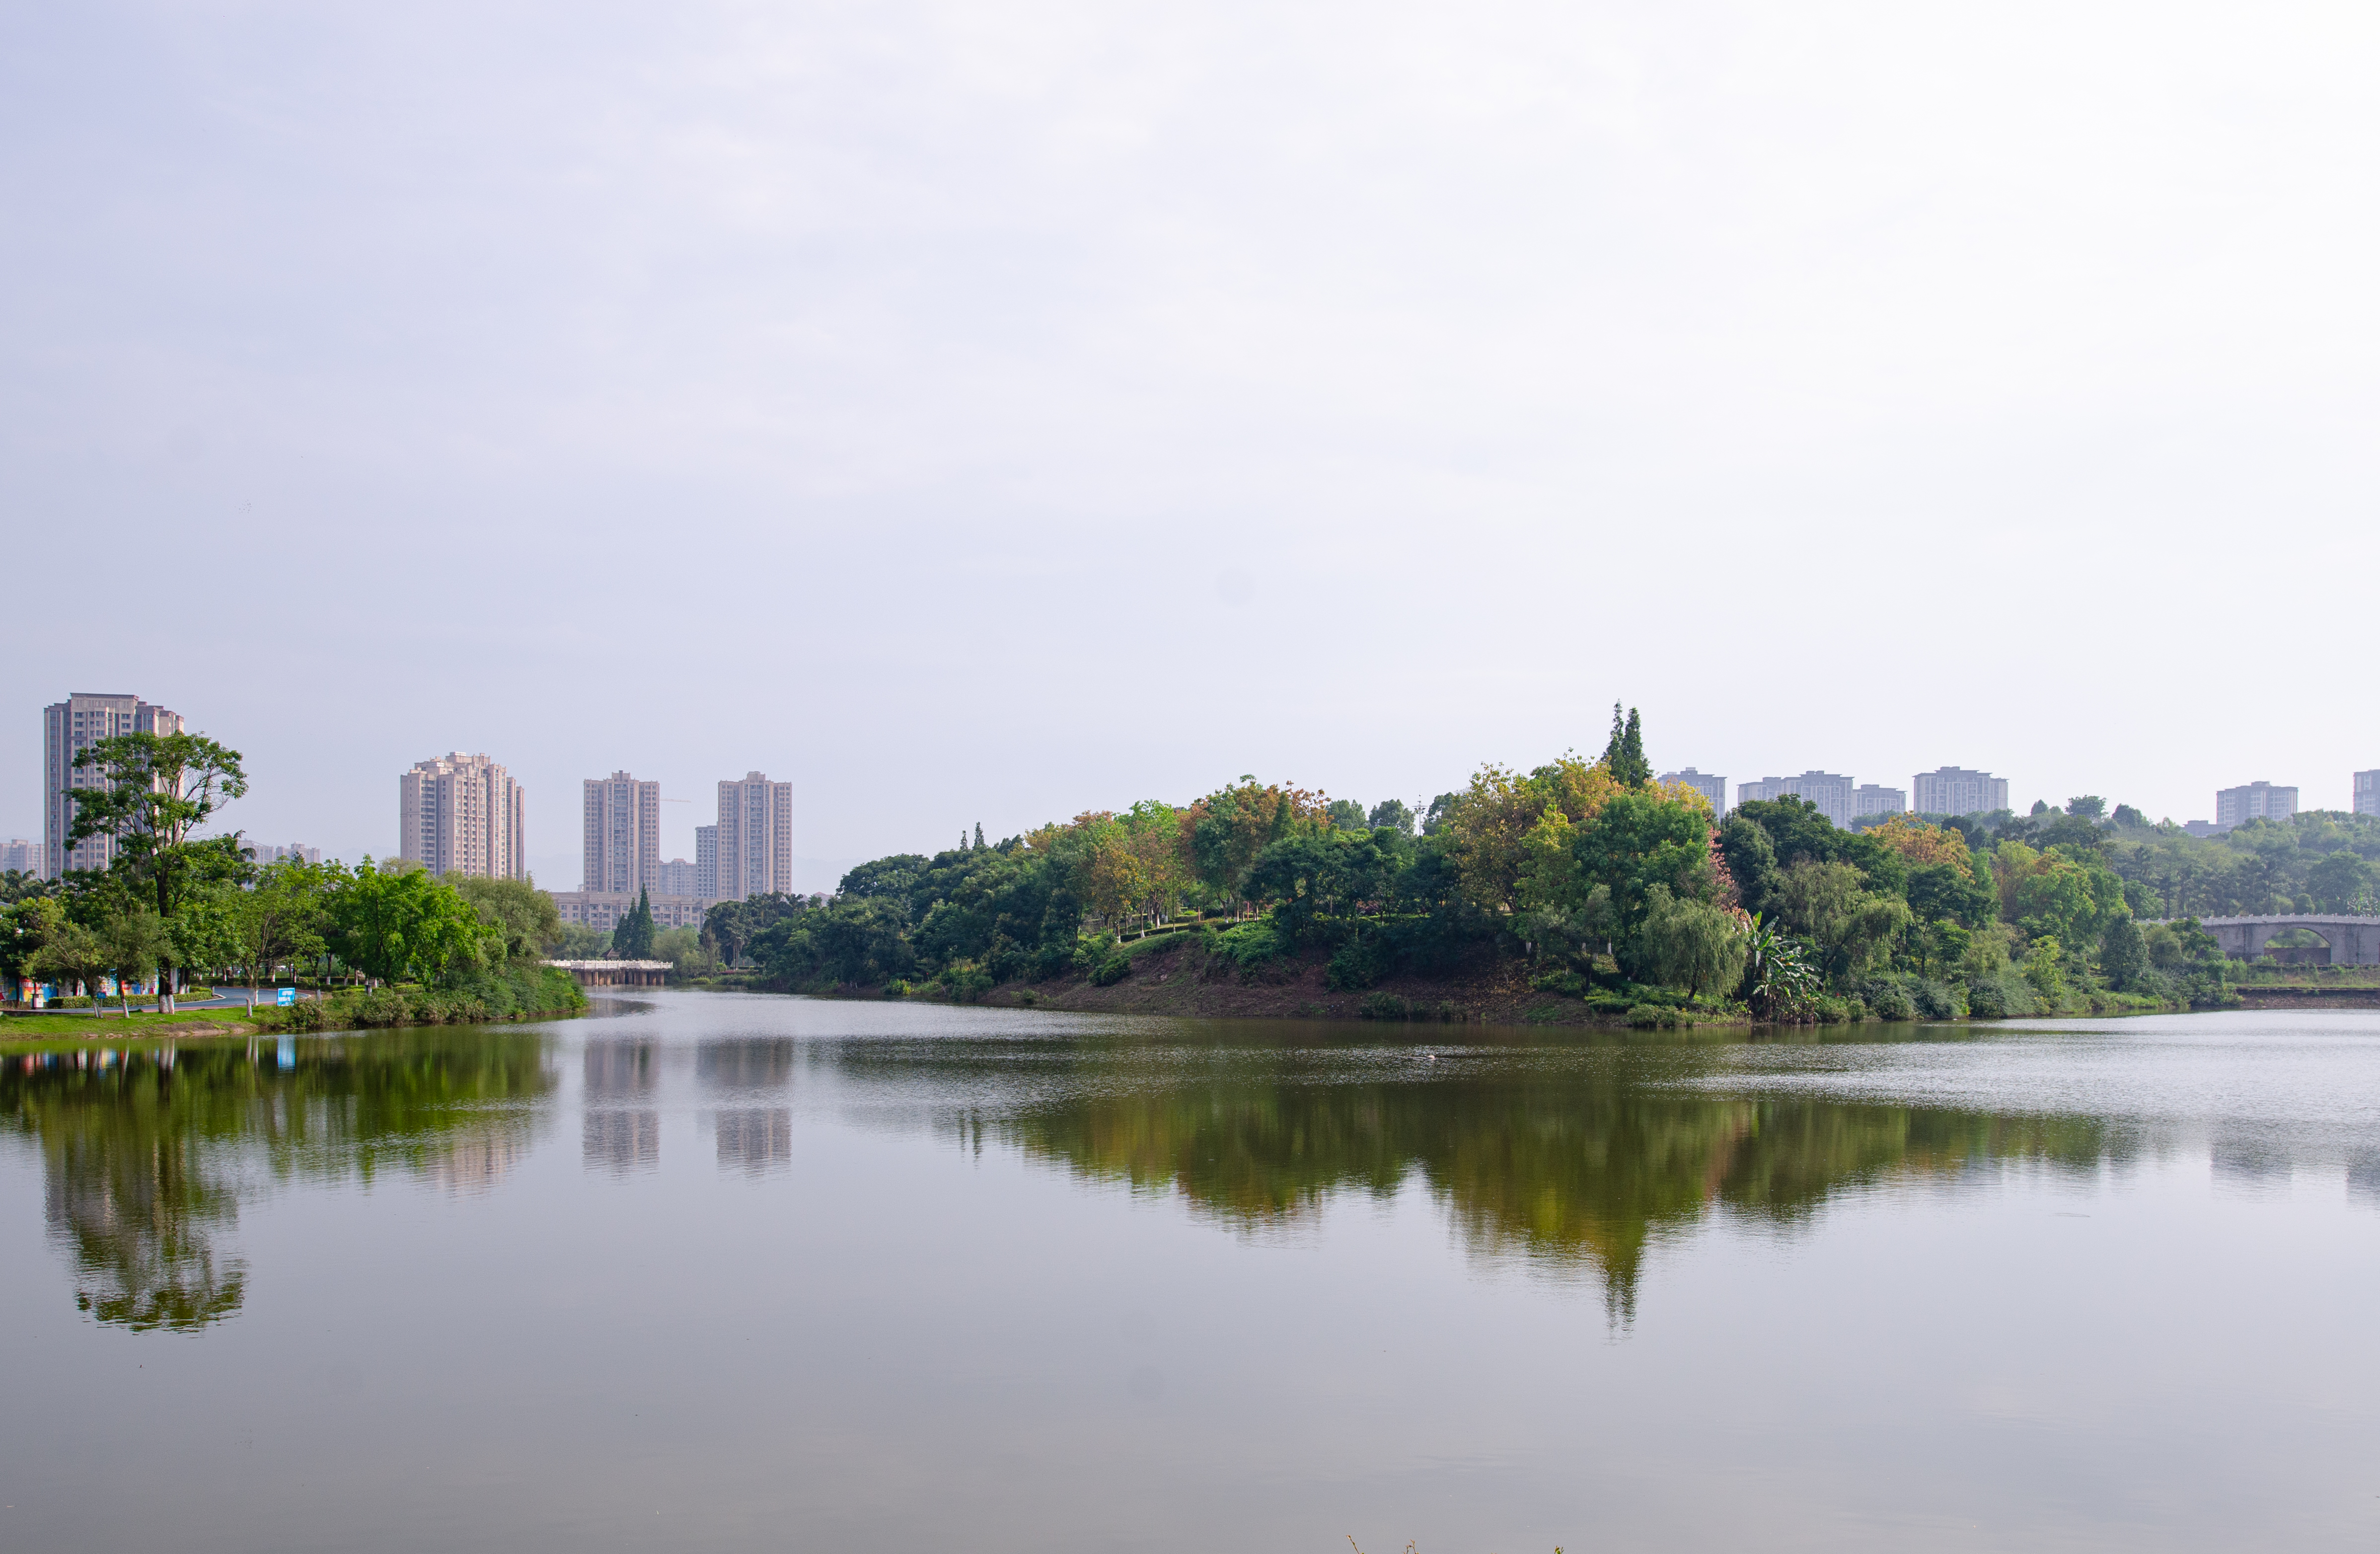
x,y
285,997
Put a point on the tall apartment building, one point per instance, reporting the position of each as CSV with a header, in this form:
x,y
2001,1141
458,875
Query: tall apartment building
x,y
623,835
1829,792
21,856
72,725
461,814
1870,798
1954,790
756,837
2252,801
674,877
2367,792
1712,788
706,862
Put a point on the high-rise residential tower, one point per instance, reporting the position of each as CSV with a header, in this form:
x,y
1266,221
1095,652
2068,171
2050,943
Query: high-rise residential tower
x,y
1954,790
2367,792
2252,801
706,862
1828,793
462,814
755,845
1874,799
71,725
622,841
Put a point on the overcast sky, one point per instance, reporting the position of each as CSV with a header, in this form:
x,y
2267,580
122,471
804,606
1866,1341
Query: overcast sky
x,y
991,412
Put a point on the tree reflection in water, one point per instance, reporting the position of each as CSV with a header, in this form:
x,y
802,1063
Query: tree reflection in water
x,y
1575,1161
147,1152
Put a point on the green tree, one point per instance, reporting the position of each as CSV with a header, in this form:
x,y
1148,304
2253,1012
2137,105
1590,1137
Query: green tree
x,y
134,943
1829,905
200,935
280,918
632,940
525,916
1690,944
154,791
2123,954
1345,814
1392,813
25,925
2340,883
389,923
1639,841
1625,756
2045,967
69,955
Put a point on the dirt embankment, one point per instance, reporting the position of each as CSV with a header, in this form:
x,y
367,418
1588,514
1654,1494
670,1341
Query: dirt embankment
x,y
1179,977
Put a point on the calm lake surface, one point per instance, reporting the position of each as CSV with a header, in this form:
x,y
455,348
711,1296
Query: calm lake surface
x,y
723,1272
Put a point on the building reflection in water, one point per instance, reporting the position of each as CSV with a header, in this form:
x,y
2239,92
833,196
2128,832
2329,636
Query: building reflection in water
x,y
754,1063
619,1135
755,1142
622,1142
477,1161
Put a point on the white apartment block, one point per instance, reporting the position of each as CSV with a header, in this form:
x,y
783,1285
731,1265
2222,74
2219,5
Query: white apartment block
x,y
1954,790
603,909
2367,792
623,835
1830,794
1712,788
1870,798
68,726
706,861
273,852
756,837
462,814
675,877
20,855
2252,801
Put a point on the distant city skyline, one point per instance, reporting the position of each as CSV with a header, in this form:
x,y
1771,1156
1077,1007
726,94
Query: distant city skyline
x,y
810,871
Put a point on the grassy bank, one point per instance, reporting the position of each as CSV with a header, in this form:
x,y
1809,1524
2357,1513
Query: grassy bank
x,y
514,992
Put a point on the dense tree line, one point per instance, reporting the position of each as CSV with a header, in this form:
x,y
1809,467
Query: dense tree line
x,y
173,903
1601,881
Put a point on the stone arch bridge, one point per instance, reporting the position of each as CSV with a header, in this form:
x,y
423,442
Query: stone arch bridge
x,y
2349,941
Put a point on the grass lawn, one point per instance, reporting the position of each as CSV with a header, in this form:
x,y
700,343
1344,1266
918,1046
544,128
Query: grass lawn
x,y
80,1025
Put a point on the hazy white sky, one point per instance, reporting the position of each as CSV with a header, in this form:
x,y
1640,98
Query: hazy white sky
x,y
989,412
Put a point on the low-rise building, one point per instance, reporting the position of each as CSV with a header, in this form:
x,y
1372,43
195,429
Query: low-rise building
x,y
1712,788
2252,801
602,910
1955,790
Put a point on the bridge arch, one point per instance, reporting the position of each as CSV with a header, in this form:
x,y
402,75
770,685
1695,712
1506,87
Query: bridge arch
x,y
2345,941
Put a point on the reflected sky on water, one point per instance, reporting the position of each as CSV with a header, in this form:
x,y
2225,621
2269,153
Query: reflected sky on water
x,y
731,1271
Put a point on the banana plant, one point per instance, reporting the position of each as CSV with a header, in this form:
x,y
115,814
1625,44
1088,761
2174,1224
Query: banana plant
x,y
1784,984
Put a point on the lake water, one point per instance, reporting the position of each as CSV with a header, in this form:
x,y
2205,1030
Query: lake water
x,y
724,1272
